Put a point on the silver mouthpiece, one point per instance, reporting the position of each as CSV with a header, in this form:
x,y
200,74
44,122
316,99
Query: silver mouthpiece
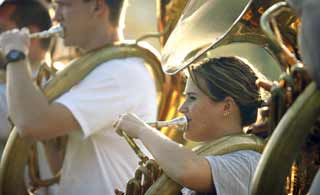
x,y
179,123
54,30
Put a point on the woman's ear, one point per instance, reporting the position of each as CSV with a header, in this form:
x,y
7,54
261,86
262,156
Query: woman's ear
x,y
228,106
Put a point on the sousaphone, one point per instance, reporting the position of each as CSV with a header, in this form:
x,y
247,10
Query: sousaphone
x,y
291,157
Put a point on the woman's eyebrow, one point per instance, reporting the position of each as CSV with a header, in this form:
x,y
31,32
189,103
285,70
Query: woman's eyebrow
x,y
189,93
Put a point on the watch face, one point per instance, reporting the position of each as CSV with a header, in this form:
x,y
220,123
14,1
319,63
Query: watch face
x,y
15,55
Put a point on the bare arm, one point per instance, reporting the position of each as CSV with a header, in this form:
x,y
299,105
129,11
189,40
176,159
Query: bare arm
x,y
181,164
28,107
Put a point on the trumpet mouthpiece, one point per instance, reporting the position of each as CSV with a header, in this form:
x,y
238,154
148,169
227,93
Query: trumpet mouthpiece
x,y
54,30
179,123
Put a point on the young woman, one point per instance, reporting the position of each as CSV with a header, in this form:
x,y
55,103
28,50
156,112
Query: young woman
x,y
221,98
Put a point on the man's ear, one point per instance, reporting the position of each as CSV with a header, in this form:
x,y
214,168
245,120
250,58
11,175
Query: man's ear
x,y
100,7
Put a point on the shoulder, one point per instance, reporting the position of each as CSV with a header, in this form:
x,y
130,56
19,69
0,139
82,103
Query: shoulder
x,y
233,172
117,70
239,154
245,154
122,64
114,68
242,158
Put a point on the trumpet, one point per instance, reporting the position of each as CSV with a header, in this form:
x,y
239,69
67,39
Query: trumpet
x,y
54,30
179,123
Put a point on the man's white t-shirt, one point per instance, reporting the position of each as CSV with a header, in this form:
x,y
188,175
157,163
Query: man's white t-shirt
x,y
232,173
98,160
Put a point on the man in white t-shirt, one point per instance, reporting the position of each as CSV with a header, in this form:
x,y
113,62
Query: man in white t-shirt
x,y
97,160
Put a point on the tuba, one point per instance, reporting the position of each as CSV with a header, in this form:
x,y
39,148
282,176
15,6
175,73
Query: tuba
x,y
296,135
15,156
201,30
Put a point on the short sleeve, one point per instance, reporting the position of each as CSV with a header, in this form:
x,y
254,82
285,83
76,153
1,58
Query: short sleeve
x,y
98,100
232,173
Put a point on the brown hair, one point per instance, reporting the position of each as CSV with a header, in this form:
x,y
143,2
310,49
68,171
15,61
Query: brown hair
x,y
116,8
229,76
30,13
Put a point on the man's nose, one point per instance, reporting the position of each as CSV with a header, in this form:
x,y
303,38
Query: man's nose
x,y
57,16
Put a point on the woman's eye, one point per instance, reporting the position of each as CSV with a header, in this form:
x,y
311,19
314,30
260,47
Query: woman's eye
x,y
192,98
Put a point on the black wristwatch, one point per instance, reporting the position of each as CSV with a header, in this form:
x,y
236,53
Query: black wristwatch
x,y
13,56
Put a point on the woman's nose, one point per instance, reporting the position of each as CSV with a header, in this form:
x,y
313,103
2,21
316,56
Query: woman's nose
x,y
183,108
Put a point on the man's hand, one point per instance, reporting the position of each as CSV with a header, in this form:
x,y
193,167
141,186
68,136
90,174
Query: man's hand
x,y
15,40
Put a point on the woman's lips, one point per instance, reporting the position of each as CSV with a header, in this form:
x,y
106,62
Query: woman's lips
x,y
188,123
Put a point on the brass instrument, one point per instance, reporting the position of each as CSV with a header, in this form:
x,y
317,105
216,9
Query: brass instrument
x,y
53,31
152,184
15,155
296,135
168,13
201,30
179,123
224,145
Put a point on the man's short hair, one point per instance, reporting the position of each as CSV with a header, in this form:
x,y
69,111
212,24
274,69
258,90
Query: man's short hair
x,y
31,13
116,9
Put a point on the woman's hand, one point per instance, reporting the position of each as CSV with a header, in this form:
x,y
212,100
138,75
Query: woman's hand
x,y
131,124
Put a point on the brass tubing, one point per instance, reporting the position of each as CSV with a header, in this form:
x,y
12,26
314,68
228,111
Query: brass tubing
x,y
285,143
